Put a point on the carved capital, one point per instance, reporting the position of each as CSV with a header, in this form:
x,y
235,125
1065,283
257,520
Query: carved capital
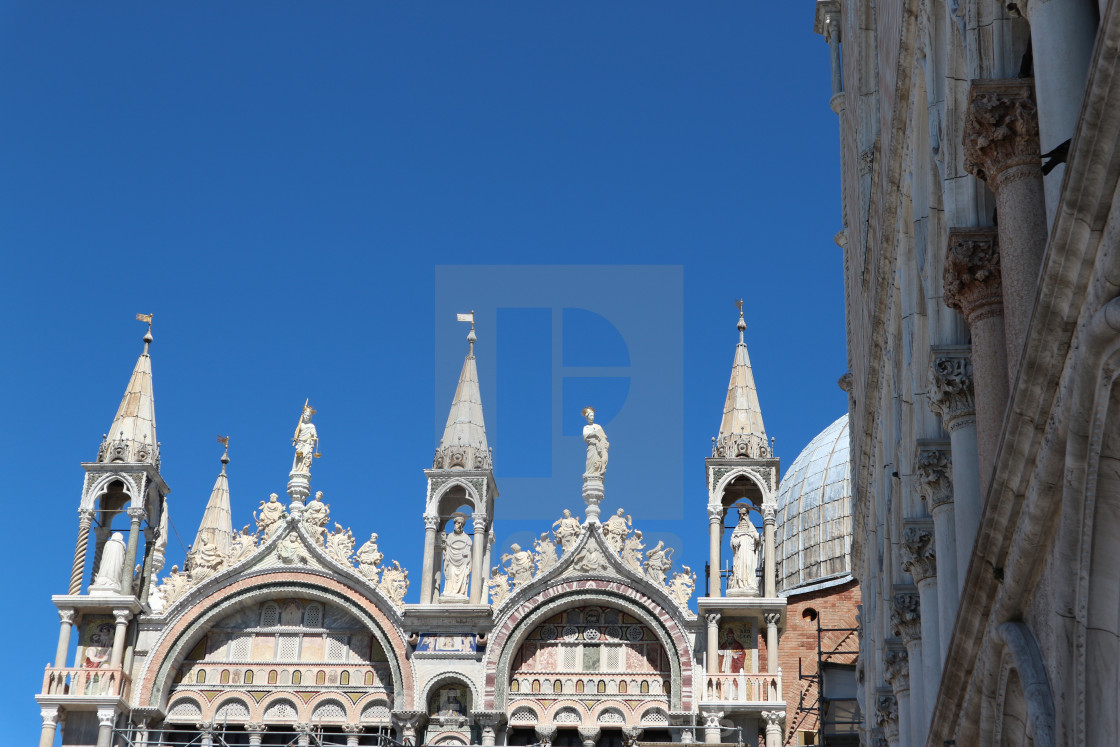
x,y
66,616
896,662
713,619
935,476
106,716
711,719
950,385
589,733
715,513
50,715
772,618
122,616
85,517
545,733
846,382
906,616
137,514
1001,129
769,513
255,727
353,729
972,277
919,557
479,521
774,720
431,521
886,712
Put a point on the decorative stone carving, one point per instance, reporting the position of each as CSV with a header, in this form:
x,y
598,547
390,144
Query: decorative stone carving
x,y
241,545
290,551
545,733
589,735
306,443
545,553
715,513
935,476
566,530
896,663
682,586
456,561
745,543
316,514
659,561
1001,128
951,394
431,521
518,565
906,618
204,561
271,516
615,530
394,583
632,551
66,616
712,618
173,586
711,719
772,618
597,445
769,513
499,586
919,557
369,559
108,578
972,276
340,544
886,711
774,719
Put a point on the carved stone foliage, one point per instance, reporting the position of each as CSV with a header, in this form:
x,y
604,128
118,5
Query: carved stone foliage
x,y
935,476
1001,129
918,553
896,662
972,276
906,618
886,711
950,378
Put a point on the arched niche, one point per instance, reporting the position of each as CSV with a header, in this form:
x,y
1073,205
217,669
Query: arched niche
x,y
742,486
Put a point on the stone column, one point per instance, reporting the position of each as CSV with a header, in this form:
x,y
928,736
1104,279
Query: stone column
x,y
906,624
711,726
478,546
303,735
951,397
936,483
122,617
135,516
769,516
589,735
206,734
974,288
711,661
256,733
892,709
429,572
919,559
66,623
488,725
407,723
772,619
775,721
353,733
1001,147
106,717
77,571
545,733
50,723
715,539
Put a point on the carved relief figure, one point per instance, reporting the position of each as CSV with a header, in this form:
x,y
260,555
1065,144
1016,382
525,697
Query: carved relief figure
x,y
290,551
615,530
242,545
520,567
369,558
204,561
457,560
174,585
632,551
306,441
567,530
597,445
271,515
546,553
744,545
108,579
658,562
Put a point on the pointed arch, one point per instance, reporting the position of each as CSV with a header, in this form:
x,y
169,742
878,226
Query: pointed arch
x,y
736,473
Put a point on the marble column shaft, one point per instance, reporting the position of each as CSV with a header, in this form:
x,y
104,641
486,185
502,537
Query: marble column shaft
x,y
135,515
428,575
919,559
906,625
712,728
772,619
935,476
122,617
106,717
50,717
715,538
478,581
769,517
711,660
66,624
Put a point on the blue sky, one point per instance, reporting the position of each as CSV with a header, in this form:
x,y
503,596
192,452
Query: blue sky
x,y
285,186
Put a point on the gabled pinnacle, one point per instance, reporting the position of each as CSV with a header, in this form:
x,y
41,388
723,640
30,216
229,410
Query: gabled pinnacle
x,y
741,432
463,445
132,437
217,520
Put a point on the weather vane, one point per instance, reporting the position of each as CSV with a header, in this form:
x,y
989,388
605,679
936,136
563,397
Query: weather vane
x,y
224,441
739,305
146,318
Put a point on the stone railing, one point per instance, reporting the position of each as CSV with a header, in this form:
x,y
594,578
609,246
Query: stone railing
x,y
80,681
589,684
742,688
308,676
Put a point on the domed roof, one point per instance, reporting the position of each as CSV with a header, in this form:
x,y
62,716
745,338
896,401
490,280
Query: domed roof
x,y
814,522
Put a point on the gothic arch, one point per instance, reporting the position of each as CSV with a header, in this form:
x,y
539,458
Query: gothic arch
x,y
471,496
1018,707
720,490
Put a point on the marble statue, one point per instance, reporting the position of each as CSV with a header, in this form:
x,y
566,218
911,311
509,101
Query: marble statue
x,y
340,544
457,560
498,585
315,516
744,546
658,563
632,551
291,551
567,530
204,561
271,516
682,586
306,441
546,552
174,585
520,567
241,545
597,445
369,558
108,578
615,530
394,583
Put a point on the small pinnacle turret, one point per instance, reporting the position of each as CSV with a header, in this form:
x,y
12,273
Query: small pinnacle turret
x,y
132,436
216,527
741,432
463,445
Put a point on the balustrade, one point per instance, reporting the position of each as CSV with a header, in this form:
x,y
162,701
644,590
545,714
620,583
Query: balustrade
x,y
742,688
82,681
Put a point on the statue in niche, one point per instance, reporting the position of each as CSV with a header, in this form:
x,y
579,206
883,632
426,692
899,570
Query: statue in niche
x,y
597,445
306,441
744,546
658,562
615,530
369,558
271,515
520,567
632,551
567,530
315,516
457,559
108,579
498,585
546,553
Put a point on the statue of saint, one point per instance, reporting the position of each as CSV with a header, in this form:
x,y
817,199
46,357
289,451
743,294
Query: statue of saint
x,y
658,562
597,445
520,567
567,530
369,558
615,530
306,441
271,515
744,546
108,579
457,560
205,560
315,515
546,553
632,551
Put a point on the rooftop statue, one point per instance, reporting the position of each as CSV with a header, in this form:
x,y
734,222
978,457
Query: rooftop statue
x,y
597,445
615,530
658,562
567,530
316,514
520,566
271,515
369,558
306,441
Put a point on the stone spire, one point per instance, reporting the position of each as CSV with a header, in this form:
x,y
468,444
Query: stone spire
x,y
217,521
741,433
463,445
132,437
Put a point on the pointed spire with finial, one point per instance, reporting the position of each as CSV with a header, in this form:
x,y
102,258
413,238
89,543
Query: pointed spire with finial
x,y
741,432
132,437
463,445
217,520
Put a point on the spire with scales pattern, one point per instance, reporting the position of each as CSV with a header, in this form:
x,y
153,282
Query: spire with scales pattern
x,y
463,445
217,520
132,437
741,432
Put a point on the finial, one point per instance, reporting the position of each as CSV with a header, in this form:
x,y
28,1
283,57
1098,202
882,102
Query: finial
x,y
224,441
147,335
470,335
742,325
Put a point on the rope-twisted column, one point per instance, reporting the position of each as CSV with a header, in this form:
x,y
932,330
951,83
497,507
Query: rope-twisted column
x,y
85,520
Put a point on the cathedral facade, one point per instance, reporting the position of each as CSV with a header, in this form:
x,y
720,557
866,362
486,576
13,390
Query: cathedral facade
x,y
979,168
297,630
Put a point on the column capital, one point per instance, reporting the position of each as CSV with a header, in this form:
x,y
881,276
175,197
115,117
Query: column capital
x,y
66,616
1001,130
136,513
769,513
906,616
896,663
973,280
106,715
950,383
545,733
50,715
774,719
712,619
886,713
772,618
589,733
85,516
919,554
711,718
122,616
353,728
935,475
255,726
431,521
715,513
827,17
479,521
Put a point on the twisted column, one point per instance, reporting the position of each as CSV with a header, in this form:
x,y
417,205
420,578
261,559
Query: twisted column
x,y
919,559
85,519
973,286
1001,147
715,538
935,480
906,624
